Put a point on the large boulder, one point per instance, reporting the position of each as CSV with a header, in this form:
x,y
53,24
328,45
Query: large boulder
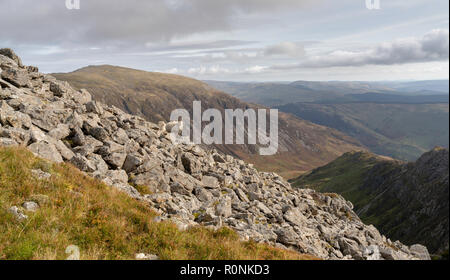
x,y
47,151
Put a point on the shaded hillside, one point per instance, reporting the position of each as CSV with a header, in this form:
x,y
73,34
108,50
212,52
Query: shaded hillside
x,y
407,201
303,145
402,131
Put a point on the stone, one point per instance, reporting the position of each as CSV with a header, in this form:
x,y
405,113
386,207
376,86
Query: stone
x,y
420,252
116,160
82,97
189,163
146,257
41,175
13,118
83,163
60,89
30,206
93,107
372,253
202,194
294,216
6,142
178,188
60,132
46,151
17,77
117,176
12,55
224,208
350,247
18,213
210,182
131,163
66,153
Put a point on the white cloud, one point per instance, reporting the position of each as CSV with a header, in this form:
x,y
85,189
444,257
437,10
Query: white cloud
x,y
255,69
433,46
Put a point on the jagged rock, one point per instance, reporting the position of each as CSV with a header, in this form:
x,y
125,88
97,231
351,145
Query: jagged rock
x,y
203,195
210,182
82,98
19,135
46,150
9,117
131,163
178,188
65,152
60,89
12,55
17,77
60,132
224,208
420,252
116,160
83,163
92,107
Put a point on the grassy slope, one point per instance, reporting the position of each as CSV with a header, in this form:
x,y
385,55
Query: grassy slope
x,y
345,176
367,180
103,222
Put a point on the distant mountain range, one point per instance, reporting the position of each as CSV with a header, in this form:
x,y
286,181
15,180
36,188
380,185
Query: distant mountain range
x,y
398,119
277,94
406,201
303,145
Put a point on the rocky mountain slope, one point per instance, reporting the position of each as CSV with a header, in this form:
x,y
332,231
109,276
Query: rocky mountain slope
x,y
185,184
303,145
54,211
406,201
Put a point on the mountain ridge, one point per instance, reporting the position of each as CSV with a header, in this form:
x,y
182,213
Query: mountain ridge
x,y
302,146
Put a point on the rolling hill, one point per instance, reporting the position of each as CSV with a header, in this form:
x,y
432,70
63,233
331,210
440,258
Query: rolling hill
x,y
303,145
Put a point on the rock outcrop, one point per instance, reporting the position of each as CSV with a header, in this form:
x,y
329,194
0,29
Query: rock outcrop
x,y
183,183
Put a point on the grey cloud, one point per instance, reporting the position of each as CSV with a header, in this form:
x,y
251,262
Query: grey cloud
x,y
433,46
286,49
119,22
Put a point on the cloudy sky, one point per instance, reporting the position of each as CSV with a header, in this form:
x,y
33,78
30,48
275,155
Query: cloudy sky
x,y
240,40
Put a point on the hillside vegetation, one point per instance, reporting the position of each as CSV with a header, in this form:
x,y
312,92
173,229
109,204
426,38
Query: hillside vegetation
x,y
407,201
102,221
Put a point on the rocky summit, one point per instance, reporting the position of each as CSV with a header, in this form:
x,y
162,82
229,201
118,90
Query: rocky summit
x,y
183,183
